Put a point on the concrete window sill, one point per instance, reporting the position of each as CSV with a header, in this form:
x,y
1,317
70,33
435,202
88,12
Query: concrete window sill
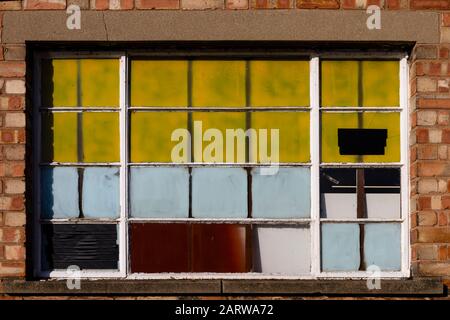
x,y
408,287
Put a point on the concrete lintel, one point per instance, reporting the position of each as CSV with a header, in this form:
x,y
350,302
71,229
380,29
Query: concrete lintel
x,y
251,25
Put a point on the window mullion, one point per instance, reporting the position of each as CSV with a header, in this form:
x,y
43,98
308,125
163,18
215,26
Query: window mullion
x,y
123,224
315,162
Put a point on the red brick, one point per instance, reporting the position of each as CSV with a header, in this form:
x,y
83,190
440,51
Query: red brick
x,y
446,19
432,169
14,252
393,4
17,203
10,69
8,136
157,4
424,203
13,235
100,4
434,269
427,152
442,253
16,103
44,4
445,202
16,269
10,5
422,135
318,4
433,234
430,4
434,103
446,135
443,53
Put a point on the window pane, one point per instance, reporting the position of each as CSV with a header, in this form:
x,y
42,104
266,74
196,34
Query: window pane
x,y
100,137
213,126
59,83
80,82
340,247
345,137
100,82
218,84
159,192
281,249
88,246
159,247
382,245
381,198
220,248
360,83
151,135
339,83
59,193
219,193
59,137
101,193
159,83
285,194
279,83
293,136
380,83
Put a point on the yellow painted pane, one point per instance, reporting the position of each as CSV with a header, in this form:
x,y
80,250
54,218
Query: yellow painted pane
x,y
100,84
339,83
221,121
59,137
218,83
279,83
159,83
151,134
331,122
101,137
293,133
59,83
380,83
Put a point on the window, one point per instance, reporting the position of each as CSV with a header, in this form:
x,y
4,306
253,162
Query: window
x,y
150,166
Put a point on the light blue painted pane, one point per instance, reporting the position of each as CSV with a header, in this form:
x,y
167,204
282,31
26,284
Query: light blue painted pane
x,y
101,193
59,193
382,245
285,194
340,247
159,192
219,193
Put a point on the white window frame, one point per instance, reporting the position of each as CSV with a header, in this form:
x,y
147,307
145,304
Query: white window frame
x,y
314,221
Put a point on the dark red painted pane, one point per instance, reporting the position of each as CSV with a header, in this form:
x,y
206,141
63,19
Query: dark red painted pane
x,y
158,247
219,248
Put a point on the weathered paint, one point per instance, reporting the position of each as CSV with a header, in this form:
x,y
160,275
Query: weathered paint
x,y
159,83
100,137
59,137
282,250
101,193
159,192
382,245
332,121
59,193
219,193
277,83
293,133
340,247
151,135
285,194
360,84
218,83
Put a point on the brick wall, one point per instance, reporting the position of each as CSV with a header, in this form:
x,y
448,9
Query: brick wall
x,y
430,132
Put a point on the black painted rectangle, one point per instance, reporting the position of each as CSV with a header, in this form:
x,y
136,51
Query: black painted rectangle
x,y
362,141
88,246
